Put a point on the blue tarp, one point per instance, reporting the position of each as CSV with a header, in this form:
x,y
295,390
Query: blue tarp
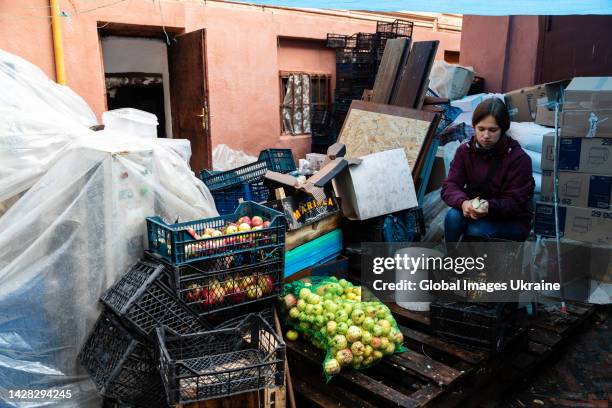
x,y
480,7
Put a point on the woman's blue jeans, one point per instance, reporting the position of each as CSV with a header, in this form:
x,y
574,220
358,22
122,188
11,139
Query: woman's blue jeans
x,y
456,225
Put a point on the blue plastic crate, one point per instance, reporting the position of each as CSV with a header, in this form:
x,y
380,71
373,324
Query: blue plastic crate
x,y
175,244
232,178
228,200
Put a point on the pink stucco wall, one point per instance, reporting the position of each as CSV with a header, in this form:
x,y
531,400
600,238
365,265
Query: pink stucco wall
x,y
242,55
483,47
503,50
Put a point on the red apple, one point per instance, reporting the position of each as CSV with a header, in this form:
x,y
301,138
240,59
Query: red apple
x,y
256,220
237,295
245,220
266,224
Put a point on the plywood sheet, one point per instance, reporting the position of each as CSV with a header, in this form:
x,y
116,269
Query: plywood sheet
x,y
370,127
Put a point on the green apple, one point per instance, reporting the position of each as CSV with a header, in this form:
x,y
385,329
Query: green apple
x,y
332,366
294,313
353,334
341,316
332,327
304,293
368,323
358,316
385,326
339,342
357,348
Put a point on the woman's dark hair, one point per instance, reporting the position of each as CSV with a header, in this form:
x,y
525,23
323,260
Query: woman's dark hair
x,y
494,107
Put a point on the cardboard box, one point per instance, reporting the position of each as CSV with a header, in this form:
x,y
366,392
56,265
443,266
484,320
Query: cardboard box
x,y
578,189
301,208
522,103
590,93
587,123
578,154
547,161
577,223
544,116
381,184
588,107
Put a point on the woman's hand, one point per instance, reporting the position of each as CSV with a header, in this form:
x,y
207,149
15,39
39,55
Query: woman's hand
x,y
470,212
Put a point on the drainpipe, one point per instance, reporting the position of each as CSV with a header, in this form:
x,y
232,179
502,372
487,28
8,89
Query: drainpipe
x,y
58,47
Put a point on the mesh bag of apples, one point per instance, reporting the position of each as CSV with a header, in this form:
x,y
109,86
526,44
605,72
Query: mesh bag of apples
x,y
331,315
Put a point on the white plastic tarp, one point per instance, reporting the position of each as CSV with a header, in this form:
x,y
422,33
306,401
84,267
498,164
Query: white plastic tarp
x,y
74,231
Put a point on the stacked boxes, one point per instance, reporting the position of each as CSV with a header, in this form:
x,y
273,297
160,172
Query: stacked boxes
x,y
584,166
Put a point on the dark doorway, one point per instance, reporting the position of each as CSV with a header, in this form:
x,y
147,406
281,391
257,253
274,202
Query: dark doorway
x,y
137,90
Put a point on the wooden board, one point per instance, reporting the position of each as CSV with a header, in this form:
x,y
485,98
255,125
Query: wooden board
x,y
307,233
371,127
414,77
396,51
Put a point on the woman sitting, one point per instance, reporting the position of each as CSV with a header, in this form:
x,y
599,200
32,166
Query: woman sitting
x,y
490,184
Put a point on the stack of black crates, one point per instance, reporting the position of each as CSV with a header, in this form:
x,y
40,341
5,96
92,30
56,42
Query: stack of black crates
x,y
357,60
193,319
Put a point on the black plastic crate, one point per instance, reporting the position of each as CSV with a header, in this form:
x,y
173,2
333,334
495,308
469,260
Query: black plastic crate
x,y
143,299
352,56
121,366
279,160
336,41
175,242
400,28
482,326
232,317
226,282
221,362
367,41
402,226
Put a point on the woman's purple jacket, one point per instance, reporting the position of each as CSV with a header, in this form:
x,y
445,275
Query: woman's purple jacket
x,y
510,190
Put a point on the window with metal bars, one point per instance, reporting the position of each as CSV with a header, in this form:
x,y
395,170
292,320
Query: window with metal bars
x,y
303,95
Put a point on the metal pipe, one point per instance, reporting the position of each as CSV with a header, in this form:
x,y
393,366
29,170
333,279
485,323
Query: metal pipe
x,y
58,46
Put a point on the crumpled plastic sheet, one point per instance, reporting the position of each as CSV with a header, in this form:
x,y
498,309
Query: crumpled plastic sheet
x,y
225,158
434,212
71,235
38,120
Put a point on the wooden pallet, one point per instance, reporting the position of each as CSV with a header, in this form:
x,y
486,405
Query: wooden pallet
x,y
433,372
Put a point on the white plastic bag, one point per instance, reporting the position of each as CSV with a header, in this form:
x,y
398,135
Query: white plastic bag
x,y
528,134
